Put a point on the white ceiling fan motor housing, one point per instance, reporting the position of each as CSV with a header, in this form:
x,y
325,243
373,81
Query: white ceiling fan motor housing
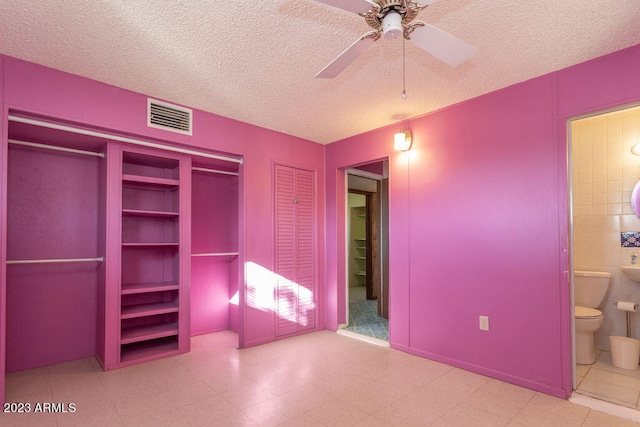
x,y
392,25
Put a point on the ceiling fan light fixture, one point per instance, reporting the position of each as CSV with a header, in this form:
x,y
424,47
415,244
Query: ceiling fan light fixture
x,y
393,19
392,25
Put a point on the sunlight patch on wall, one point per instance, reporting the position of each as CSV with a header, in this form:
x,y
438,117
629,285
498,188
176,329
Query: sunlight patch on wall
x,y
270,292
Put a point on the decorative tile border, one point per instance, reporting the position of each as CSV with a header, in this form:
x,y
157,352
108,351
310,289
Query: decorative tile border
x,y
630,239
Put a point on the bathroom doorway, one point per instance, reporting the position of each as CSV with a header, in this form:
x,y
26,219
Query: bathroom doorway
x,y
602,175
367,251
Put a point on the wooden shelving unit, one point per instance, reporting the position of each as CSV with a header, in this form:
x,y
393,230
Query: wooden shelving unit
x,y
150,288
360,244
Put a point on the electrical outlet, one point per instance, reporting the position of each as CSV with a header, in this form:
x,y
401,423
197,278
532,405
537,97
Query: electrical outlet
x,y
484,323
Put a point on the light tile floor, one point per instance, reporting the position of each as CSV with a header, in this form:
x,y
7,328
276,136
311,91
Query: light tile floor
x,y
318,379
604,381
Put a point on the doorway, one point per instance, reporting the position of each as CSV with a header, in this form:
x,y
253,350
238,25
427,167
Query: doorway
x,y
603,172
367,252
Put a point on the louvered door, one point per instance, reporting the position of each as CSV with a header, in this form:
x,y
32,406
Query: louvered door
x,y
295,254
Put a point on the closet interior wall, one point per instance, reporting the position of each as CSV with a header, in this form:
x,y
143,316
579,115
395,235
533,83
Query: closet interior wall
x,y
214,249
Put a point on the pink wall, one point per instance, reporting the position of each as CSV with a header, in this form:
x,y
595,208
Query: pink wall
x,y
37,90
478,224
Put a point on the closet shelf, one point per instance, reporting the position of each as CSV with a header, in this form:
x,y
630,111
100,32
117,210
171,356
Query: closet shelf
x,y
148,350
149,180
142,288
149,214
142,310
361,273
148,244
360,257
145,333
360,239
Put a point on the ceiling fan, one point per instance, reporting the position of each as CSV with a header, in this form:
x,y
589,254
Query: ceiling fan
x,y
392,18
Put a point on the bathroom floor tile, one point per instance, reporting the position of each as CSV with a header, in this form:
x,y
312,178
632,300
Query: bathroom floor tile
x,y
582,370
604,362
616,378
606,382
626,396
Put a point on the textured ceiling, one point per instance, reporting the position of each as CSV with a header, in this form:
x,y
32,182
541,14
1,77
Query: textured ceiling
x,y
255,61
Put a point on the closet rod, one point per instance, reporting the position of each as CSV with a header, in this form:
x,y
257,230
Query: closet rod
x,y
214,171
53,147
217,254
46,261
123,139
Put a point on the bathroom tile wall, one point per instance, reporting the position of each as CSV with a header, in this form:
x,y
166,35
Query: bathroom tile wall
x,y
604,172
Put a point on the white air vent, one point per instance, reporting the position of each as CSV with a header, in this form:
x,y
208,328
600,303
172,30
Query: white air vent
x,y
168,117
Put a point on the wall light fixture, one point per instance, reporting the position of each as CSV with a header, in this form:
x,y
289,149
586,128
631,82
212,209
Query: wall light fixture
x,y
402,140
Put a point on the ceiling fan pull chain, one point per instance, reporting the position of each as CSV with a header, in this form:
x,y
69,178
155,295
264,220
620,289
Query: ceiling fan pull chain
x,y
404,93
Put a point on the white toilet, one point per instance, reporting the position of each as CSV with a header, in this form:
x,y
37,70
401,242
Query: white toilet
x,y
589,290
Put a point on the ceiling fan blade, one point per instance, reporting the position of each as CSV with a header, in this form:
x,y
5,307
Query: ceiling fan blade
x,y
355,6
444,46
349,55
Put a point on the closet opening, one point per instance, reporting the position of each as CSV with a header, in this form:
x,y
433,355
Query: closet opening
x,y
367,251
55,273
103,233
215,198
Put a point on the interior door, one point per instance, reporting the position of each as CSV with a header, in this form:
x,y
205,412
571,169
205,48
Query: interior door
x,y
295,254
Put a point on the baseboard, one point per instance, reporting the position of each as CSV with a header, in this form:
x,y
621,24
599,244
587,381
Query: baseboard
x,y
523,382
